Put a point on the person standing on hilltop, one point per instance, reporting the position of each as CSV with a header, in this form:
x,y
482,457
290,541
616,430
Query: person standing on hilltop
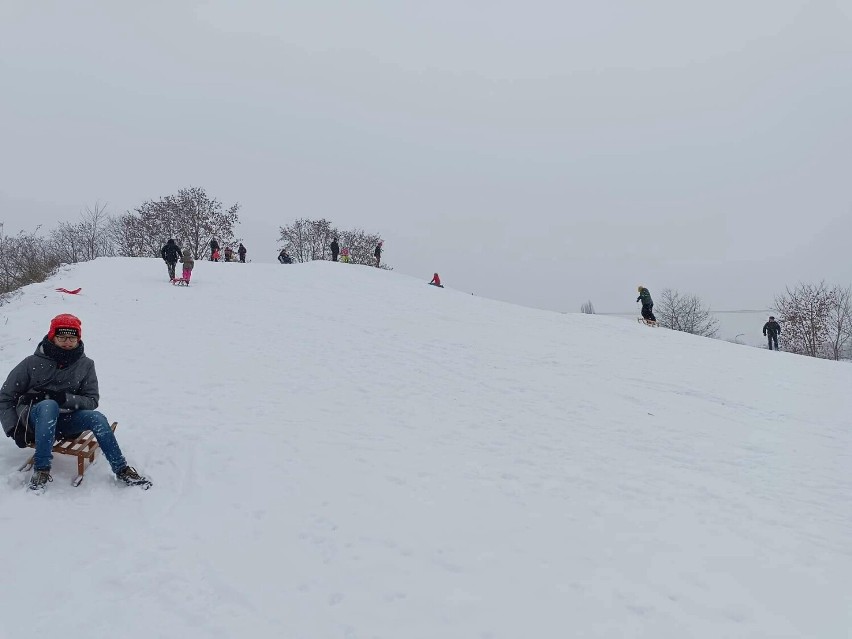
x,y
241,251
378,253
772,330
335,250
647,304
214,250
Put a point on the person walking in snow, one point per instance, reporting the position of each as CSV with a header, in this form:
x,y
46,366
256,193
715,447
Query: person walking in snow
x,y
378,253
241,251
772,330
436,281
171,254
647,304
214,250
53,394
188,264
335,249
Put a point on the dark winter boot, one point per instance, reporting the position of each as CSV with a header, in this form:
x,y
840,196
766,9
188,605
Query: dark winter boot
x,y
38,482
130,477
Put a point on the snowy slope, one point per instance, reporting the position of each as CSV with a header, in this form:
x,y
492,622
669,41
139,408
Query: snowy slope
x,y
340,451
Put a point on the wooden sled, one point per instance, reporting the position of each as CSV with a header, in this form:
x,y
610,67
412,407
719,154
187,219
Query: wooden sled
x,y
83,448
179,281
642,320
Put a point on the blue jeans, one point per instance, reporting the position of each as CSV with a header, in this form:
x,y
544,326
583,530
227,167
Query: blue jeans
x,y
49,424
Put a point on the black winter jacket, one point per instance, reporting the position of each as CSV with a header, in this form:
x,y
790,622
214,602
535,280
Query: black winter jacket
x,y
170,252
38,372
773,327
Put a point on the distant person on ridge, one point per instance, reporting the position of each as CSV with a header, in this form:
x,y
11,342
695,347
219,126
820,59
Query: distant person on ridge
x,y
378,253
229,254
436,281
188,264
647,304
171,255
344,255
284,258
241,251
772,330
335,250
214,250
52,395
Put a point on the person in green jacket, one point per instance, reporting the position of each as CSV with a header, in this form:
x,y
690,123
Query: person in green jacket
x,y
647,304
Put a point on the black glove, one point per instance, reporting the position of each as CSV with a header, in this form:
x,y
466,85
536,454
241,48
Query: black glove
x,y
59,397
32,397
20,436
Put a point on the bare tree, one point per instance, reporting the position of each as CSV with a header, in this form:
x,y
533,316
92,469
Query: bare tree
x,y
817,320
307,240
361,245
189,216
201,219
25,259
840,324
685,313
85,240
127,235
588,308
804,313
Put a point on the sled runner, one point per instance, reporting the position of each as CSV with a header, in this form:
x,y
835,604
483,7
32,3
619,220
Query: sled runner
x,y
179,281
83,448
642,320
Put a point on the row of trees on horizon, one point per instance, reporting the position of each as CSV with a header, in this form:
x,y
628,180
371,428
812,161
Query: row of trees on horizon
x,y
189,216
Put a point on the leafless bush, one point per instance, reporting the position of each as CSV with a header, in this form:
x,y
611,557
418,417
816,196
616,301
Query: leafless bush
x,y
25,258
127,234
588,308
307,240
685,313
189,216
85,240
816,320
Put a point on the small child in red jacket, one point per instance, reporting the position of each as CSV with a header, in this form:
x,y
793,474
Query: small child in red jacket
x,y
436,281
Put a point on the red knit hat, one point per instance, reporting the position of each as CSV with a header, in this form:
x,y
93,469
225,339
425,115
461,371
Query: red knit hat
x,y
65,324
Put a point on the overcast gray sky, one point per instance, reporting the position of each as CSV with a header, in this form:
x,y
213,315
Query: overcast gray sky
x,y
540,152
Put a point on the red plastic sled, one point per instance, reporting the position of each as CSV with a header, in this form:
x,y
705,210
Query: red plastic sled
x,y
65,290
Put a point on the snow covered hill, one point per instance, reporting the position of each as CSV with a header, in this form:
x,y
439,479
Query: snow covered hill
x,y
344,452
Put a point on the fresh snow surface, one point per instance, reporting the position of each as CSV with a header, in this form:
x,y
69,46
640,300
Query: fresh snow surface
x,y
340,451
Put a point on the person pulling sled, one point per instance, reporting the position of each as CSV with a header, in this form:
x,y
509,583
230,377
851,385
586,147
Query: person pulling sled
x,y
647,305
170,254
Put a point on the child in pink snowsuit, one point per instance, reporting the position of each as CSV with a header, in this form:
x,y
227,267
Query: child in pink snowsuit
x,y
188,264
